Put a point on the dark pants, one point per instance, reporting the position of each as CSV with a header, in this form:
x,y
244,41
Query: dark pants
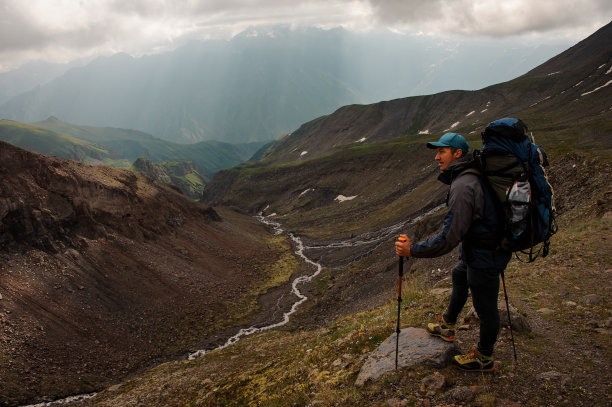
x,y
484,286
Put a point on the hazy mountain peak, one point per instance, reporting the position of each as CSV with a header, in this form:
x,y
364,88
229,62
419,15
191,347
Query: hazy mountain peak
x,y
265,82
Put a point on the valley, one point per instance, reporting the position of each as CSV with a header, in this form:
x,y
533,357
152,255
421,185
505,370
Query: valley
x,y
350,310
110,279
92,256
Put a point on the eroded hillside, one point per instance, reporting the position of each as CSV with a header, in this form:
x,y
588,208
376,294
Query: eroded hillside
x,y
104,272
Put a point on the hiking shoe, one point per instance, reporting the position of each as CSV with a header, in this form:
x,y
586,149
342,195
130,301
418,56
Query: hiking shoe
x,y
475,361
442,329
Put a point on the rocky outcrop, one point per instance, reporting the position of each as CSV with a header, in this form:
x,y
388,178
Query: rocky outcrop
x,y
103,272
49,202
415,347
151,170
184,175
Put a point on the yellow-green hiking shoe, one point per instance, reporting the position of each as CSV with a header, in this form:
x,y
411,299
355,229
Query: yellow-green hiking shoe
x,y
442,329
475,361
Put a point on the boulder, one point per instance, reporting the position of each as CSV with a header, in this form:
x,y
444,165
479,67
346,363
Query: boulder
x,y
519,321
592,299
416,347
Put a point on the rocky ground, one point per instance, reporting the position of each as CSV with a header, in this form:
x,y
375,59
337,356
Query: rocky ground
x,y
563,351
563,358
90,259
562,318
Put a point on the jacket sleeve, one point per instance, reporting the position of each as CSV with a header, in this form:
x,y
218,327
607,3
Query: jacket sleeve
x,y
464,193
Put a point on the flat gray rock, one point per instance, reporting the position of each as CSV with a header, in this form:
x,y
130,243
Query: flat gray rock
x,y
416,347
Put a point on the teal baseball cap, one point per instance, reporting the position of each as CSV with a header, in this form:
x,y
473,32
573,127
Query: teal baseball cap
x,y
451,140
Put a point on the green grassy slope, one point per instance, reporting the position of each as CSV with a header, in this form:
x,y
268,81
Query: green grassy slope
x,y
385,178
185,175
211,156
57,144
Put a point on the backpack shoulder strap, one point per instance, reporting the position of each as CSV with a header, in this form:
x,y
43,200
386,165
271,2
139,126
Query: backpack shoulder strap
x,y
472,170
488,240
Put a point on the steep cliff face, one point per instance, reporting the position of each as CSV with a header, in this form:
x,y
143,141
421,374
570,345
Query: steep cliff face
x,y
103,271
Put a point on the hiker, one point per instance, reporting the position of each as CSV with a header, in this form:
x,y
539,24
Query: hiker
x,y
471,220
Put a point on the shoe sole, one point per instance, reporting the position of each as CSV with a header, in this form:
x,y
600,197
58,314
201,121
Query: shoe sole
x,y
446,338
487,370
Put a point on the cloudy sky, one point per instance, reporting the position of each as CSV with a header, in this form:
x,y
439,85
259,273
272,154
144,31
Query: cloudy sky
x,y
63,30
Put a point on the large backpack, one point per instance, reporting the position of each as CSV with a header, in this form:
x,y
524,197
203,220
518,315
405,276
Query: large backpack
x,y
513,167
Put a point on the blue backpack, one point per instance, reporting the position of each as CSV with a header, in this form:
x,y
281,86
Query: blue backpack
x,y
512,165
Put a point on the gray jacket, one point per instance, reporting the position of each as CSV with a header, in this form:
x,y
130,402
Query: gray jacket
x,y
471,212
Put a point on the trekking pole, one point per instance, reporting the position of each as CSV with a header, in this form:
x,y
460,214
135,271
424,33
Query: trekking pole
x,y
509,320
399,300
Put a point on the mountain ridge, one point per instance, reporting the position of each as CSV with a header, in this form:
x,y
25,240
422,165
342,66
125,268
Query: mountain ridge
x,y
91,258
136,246
567,81
121,147
255,88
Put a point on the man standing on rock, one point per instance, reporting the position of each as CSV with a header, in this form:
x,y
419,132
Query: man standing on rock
x,y
471,220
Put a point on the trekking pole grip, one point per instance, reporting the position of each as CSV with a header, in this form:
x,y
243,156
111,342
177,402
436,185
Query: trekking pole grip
x,y
400,271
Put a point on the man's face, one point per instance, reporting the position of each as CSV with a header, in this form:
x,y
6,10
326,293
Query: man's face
x,y
445,156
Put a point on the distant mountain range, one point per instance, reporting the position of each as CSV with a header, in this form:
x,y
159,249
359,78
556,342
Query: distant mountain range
x,y
376,153
570,91
105,272
187,166
261,84
30,76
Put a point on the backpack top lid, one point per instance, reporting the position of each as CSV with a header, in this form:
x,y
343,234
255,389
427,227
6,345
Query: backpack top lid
x,y
507,134
507,127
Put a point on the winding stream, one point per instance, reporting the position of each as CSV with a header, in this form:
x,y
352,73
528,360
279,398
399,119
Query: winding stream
x,y
371,240
294,289
299,245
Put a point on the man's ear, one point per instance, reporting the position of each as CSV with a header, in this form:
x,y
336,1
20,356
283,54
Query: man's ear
x,y
458,153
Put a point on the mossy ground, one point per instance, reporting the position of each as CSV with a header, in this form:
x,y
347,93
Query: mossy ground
x,y
319,367
272,275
